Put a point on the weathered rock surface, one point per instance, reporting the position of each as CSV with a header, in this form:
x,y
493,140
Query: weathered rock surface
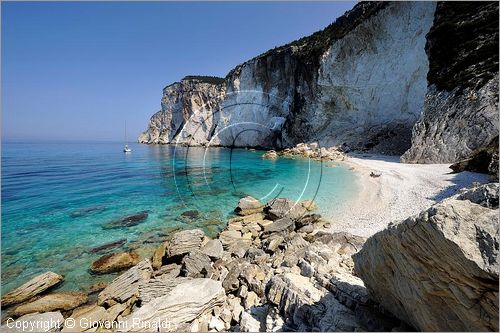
x,y
33,287
52,302
184,303
114,262
213,248
189,112
84,317
159,287
197,264
185,241
437,271
126,285
36,322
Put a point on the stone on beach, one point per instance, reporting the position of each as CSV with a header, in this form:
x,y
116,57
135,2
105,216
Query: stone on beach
x,y
185,241
126,285
114,263
184,303
52,302
158,287
213,248
196,264
248,205
282,225
157,259
282,207
82,318
33,287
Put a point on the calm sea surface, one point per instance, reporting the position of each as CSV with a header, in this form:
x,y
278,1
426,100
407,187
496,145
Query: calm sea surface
x,y
57,199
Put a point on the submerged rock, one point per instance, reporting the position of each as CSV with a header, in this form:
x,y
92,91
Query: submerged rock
x,y
107,246
190,215
446,258
52,302
114,263
33,287
87,211
127,221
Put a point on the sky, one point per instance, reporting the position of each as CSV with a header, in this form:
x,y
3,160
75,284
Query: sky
x,y
78,71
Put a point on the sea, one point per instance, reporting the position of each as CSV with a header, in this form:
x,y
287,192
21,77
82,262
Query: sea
x,y
62,201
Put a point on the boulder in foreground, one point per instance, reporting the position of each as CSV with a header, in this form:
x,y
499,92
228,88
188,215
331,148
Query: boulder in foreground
x,y
437,271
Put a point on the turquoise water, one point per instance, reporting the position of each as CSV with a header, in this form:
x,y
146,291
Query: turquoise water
x,y
58,198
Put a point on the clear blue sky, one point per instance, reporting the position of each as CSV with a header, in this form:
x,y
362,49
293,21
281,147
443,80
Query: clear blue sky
x,y
77,71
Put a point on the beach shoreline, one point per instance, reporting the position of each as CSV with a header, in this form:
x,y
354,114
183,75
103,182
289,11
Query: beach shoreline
x,y
401,190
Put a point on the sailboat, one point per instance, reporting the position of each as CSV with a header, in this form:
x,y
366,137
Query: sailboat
x,y
126,149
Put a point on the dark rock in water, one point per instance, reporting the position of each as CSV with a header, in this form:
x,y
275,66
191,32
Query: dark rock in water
x,y
190,214
114,263
108,246
127,221
87,211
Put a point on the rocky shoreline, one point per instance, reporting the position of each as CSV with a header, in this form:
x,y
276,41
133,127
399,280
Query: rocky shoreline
x,y
275,267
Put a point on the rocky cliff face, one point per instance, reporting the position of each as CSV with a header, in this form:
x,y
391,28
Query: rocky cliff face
x,y
187,112
460,114
360,81
368,80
